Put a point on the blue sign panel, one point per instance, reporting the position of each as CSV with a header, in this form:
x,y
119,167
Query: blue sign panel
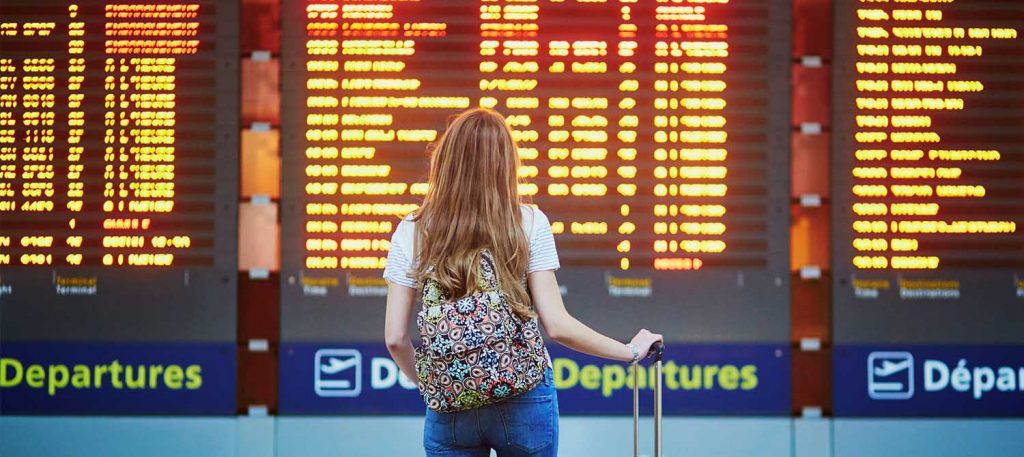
x,y
346,378
117,378
343,378
697,379
928,381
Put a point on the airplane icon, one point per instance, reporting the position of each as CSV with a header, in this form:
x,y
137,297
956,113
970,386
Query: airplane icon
x,y
890,375
337,373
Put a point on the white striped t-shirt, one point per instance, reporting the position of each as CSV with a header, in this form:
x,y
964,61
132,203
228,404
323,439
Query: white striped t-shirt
x,y
543,255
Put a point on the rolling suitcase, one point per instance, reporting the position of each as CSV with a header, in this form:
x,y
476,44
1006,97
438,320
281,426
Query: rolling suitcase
x,y
657,350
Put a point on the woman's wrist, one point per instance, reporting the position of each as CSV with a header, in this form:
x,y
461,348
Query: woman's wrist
x,y
634,355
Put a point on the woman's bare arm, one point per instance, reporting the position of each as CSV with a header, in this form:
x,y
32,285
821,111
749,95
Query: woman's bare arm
x,y
565,329
400,305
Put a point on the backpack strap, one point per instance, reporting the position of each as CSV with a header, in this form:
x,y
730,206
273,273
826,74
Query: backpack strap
x,y
488,279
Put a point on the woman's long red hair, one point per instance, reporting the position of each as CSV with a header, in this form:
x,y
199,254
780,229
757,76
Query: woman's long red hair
x,y
472,203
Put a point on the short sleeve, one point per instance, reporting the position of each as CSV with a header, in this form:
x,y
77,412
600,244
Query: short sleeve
x,y
400,257
543,255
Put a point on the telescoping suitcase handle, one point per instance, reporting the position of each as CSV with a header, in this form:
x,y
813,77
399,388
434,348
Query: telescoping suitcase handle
x,y
657,350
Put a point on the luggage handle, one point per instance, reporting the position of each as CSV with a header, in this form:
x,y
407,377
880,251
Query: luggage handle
x,y
657,351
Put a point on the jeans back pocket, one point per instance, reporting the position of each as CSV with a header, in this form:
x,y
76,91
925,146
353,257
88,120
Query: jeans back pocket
x,y
530,420
438,431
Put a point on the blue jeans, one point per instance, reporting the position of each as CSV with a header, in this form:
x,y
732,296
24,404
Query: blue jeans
x,y
522,426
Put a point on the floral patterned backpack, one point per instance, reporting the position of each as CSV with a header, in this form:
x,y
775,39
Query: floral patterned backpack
x,y
475,351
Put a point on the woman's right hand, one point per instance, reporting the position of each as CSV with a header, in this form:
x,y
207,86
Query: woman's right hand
x,y
644,340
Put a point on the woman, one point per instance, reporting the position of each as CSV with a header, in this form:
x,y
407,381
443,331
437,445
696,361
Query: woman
x,y
473,205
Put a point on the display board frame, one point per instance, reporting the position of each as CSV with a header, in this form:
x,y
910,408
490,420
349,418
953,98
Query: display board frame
x,y
158,304
986,306
714,305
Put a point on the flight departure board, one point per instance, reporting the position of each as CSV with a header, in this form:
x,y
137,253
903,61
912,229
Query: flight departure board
x,y
118,168
928,171
653,134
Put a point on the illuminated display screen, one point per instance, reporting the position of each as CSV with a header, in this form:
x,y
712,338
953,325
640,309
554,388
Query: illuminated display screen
x,y
929,170
118,151
653,134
